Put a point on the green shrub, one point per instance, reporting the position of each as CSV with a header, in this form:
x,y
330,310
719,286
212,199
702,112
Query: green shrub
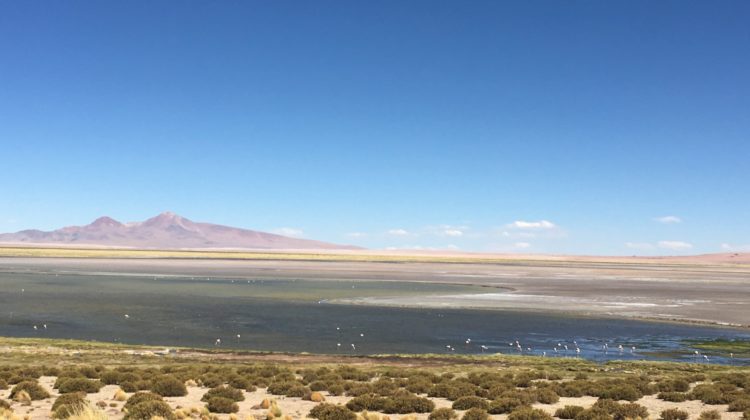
x,y
35,391
630,411
547,396
147,409
140,397
224,391
222,405
168,386
739,405
674,414
475,414
3,385
369,402
404,402
528,413
110,377
625,392
298,391
336,389
710,394
443,414
593,414
710,415
504,405
672,396
674,385
68,404
465,403
746,415
327,411
568,412
452,390
280,388
88,386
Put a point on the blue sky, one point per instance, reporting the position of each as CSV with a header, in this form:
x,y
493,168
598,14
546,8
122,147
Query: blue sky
x,y
528,126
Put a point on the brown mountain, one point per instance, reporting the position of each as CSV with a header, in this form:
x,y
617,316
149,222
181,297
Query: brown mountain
x,y
165,231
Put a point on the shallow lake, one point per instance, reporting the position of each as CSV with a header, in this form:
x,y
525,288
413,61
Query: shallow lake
x,y
299,316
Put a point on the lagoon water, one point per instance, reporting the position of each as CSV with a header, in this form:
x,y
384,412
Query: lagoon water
x,y
293,315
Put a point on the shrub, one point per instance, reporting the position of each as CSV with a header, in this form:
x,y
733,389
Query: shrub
x,y
746,415
336,389
568,412
739,405
110,377
4,404
370,402
68,404
169,386
672,396
710,415
674,414
593,414
327,411
465,403
709,394
147,409
222,405
298,391
630,411
404,402
224,391
504,405
35,391
452,390
625,392
140,397
3,384
528,413
88,386
475,414
547,396
443,414
280,388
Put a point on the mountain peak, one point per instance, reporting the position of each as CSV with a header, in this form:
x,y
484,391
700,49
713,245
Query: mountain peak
x,y
105,221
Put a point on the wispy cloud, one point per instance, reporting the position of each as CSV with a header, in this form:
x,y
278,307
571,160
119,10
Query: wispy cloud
x,y
541,224
735,248
356,235
675,245
288,231
522,245
398,232
668,220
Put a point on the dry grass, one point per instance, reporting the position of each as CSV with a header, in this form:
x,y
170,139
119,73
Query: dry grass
x,y
88,412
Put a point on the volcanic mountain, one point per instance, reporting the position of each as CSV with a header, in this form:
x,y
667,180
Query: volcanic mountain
x,y
165,231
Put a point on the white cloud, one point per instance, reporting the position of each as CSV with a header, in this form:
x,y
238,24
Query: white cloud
x,y
639,245
541,224
288,231
398,232
522,245
735,248
674,245
453,232
668,220
356,234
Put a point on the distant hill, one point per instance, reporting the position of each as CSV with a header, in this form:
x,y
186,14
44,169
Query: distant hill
x,y
165,231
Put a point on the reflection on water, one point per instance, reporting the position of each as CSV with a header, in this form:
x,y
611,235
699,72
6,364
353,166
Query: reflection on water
x,y
288,315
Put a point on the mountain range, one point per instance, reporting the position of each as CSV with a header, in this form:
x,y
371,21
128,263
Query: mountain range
x,y
165,231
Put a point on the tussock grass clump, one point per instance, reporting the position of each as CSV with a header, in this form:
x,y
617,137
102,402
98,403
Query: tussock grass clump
x,y
674,414
443,414
528,413
547,396
67,404
465,403
32,388
87,412
140,397
475,414
224,391
568,412
120,395
88,386
222,405
327,411
146,410
168,386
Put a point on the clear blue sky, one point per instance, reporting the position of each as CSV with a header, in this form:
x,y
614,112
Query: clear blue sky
x,y
530,126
